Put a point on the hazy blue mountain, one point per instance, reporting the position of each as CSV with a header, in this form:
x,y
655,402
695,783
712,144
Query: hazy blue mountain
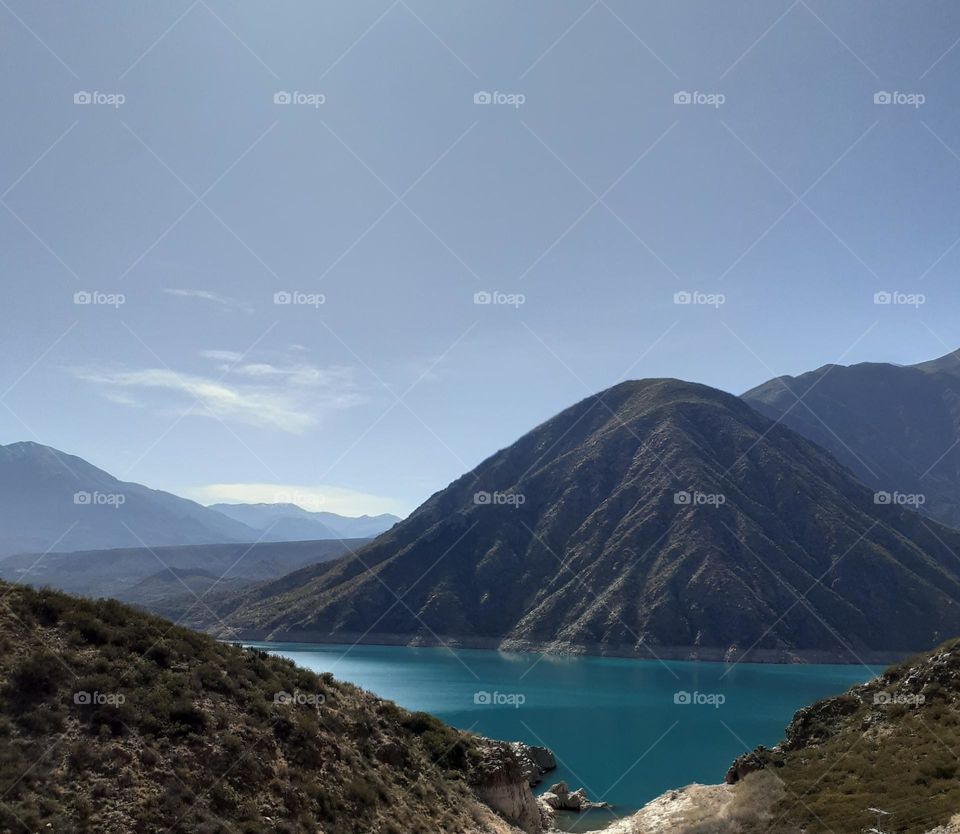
x,y
288,522
657,517
50,500
897,427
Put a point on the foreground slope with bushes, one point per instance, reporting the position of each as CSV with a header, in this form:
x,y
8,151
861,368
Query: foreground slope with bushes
x,y
116,721
892,744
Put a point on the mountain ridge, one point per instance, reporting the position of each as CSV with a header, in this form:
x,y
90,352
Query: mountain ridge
x,y
896,427
290,522
51,500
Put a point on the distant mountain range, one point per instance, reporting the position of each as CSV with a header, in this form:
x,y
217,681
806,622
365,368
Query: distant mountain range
x,y
288,522
658,517
52,501
897,427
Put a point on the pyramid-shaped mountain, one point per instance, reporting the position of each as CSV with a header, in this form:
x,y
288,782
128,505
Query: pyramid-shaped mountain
x,y
657,518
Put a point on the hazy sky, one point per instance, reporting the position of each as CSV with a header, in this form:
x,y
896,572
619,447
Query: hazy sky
x,y
392,190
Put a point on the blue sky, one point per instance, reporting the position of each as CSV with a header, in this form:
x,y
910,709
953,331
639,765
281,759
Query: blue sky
x,y
580,193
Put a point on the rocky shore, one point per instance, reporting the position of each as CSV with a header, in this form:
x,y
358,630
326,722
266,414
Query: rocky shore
x,y
503,780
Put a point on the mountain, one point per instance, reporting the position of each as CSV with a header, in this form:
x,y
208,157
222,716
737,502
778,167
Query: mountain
x,y
116,721
50,500
897,427
118,572
288,522
656,518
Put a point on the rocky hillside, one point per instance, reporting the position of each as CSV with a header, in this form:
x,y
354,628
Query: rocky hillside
x,y
890,744
897,427
656,517
115,721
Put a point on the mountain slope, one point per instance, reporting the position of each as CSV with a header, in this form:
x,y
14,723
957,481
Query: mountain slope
x,y
658,517
896,427
288,522
115,721
51,500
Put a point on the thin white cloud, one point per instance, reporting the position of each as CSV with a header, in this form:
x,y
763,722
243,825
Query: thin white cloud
x,y
316,498
289,399
214,298
222,355
299,374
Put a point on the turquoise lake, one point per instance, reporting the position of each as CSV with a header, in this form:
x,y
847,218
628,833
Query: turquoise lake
x,y
615,725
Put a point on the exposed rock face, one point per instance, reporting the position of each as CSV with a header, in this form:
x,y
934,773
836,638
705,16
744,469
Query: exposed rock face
x,y
502,781
667,813
534,761
952,827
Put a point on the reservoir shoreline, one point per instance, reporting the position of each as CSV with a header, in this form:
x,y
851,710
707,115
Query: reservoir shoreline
x,y
708,654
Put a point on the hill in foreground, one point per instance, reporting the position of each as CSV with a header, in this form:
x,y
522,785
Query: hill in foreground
x,y
116,721
889,744
656,518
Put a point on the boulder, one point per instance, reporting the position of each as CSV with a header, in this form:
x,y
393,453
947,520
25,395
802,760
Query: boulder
x,y
559,797
535,761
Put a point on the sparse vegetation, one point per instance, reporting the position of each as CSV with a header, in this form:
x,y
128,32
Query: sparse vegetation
x,y
116,721
891,743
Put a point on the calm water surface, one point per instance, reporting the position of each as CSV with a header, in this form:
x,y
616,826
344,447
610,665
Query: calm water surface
x,y
615,725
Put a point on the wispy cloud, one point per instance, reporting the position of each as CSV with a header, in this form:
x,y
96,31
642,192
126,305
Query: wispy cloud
x,y
221,301
291,399
316,498
222,355
299,374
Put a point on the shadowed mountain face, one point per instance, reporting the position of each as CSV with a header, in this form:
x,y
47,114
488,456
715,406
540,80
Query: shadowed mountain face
x,y
53,501
659,516
288,522
896,427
